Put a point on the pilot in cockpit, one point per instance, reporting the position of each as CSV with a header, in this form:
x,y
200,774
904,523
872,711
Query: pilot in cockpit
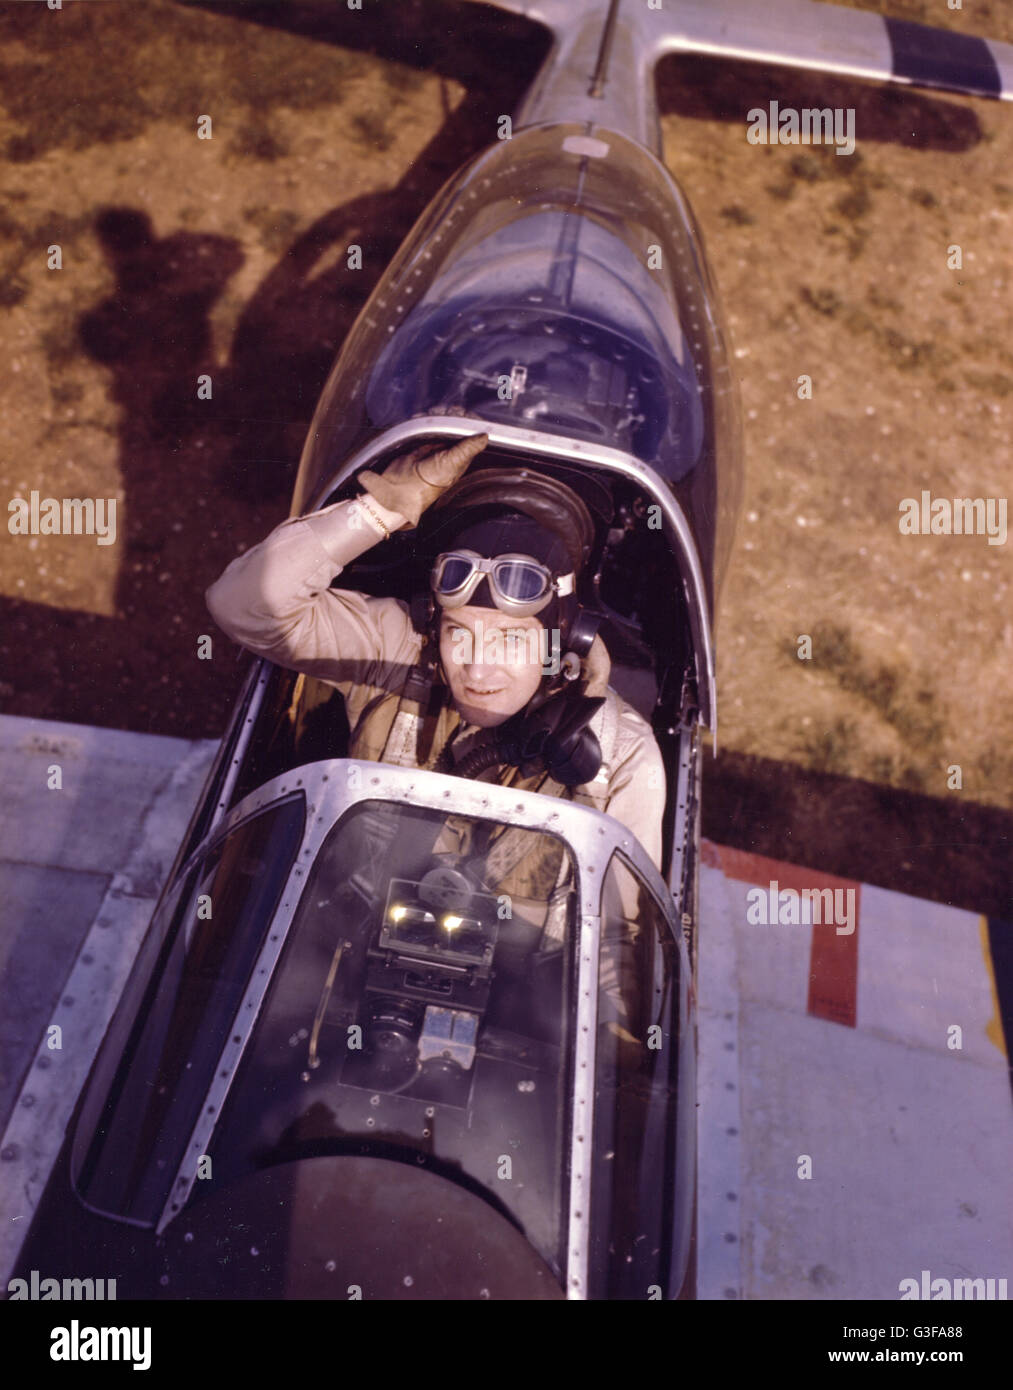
x,y
502,678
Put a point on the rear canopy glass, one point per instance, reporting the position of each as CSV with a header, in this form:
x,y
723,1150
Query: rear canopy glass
x,y
550,290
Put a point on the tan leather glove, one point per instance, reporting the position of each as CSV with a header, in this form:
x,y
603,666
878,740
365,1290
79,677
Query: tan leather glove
x,y
411,483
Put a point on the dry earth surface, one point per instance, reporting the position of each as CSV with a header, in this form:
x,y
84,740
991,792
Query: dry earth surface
x,y
226,257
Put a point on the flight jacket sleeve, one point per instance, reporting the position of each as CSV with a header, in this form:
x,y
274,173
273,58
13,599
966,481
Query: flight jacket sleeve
x,y
275,601
637,782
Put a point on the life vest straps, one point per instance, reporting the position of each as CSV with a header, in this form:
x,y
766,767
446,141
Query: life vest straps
x,y
403,727
411,728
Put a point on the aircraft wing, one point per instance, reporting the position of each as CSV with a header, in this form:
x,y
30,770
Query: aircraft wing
x,y
798,33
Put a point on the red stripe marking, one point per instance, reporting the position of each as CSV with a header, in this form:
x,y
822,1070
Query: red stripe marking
x,y
833,962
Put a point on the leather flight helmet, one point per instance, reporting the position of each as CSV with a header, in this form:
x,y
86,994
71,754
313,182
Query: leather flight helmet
x,y
552,504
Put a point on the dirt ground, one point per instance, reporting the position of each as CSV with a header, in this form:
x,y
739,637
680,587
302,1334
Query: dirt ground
x,y
225,256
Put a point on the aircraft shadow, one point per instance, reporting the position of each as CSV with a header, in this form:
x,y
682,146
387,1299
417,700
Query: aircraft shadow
x,y
950,850
699,87
202,479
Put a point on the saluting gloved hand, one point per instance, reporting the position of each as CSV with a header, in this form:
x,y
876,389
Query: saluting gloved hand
x,y
558,734
412,482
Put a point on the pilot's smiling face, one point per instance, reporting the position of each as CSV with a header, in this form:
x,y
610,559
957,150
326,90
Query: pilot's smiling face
x,y
493,662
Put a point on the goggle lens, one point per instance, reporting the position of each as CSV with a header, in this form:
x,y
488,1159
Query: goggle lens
x,y
520,581
455,572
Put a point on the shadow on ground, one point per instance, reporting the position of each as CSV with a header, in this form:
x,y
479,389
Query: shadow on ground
x,y
952,851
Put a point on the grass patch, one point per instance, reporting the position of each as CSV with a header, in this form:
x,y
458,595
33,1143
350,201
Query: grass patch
x,y
994,383
373,129
12,293
276,227
808,167
832,749
256,140
737,216
896,695
854,204
825,301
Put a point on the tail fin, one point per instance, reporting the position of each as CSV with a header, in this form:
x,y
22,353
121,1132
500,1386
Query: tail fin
x,y
601,67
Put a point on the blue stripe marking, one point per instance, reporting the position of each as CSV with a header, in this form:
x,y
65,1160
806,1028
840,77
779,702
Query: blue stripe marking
x,y
941,58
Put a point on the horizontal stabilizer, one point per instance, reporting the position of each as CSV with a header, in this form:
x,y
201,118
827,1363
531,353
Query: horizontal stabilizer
x,y
831,38
792,33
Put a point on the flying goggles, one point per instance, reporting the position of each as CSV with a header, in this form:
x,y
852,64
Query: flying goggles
x,y
519,584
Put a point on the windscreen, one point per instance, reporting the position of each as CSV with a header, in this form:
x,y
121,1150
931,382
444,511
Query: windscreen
x,y
421,1012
